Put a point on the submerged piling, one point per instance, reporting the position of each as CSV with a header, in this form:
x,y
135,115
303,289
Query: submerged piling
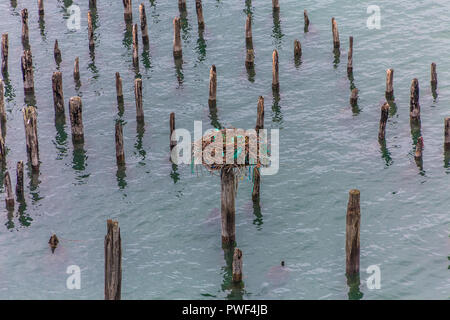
x,y
53,242
352,245
76,120
113,261
228,212
433,79
177,51
414,106
120,154
9,196
27,72
334,29
250,59
19,179
57,53
419,148
383,120
212,87
31,137
5,52
144,27
199,9
237,266
138,97
390,84
58,96
275,77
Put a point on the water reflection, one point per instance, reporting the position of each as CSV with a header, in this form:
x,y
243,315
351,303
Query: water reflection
x,y
392,107
201,47
277,34
258,221
277,115
353,283
185,28
79,162
385,154
61,137
14,4
128,36
33,176
337,57
146,59
30,99
248,7
121,175
10,93
174,173
42,28
235,290
140,130
434,91
179,71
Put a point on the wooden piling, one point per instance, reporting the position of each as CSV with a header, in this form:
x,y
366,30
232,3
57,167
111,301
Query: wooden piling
x,y
237,266
76,70
173,143
135,47
256,171
127,11
57,53
228,190
138,97
41,7
120,155
58,96
113,261
334,29
275,77
275,5
93,4
248,32
250,59
53,242
25,31
212,87
354,98
390,84
199,9
350,57
9,196
2,105
414,106
76,120
297,49
177,51
383,120
352,246
447,134
144,27
119,89
5,52
182,6
419,148
31,137
91,32
306,18
433,76
19,183
27,72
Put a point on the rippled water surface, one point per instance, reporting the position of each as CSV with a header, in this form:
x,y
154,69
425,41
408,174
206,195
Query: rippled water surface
x,y
169,215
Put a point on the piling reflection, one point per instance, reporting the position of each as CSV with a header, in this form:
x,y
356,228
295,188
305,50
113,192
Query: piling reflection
x,y
277,115
258,221
185,27
140,151
337,57
42,28
79,162
33,177
434,91
385,154
14,4
61,137
353,283
392,107
277,34
174,173
121,175
248,7
128,35
10,93
179,71
30,99
201,47
235,290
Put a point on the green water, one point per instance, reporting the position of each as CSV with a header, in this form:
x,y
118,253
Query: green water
x,y
169,217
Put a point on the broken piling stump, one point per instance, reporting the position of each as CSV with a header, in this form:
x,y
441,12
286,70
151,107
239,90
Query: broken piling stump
x,y
27,72
177,51
248,32
53,242
25,31
228,211
138,97
57,53
237,266
383,120
199,9
76,70
9,196
297,49
352,245
19,183
414,106
119,91
58,96
113,261
76,120
5,52
334,29
275,77
350,57
127,11
390,84
31,137
212,87
120,154
144,27
306,18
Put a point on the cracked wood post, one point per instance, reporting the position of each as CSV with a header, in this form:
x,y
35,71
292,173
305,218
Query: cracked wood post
x,y
447,134
31,137
275,77
138,97
306,18
120,155
334,28
5,52
350,57
390,84
57,53
297,49
177,51
2,105
352,246
135,47
127,11
76,120
27,72
182,6
433,77
212,102
91,32
275,5
256,170
383,120
228,190
144,27
9,195
19,183
173,141
199,9
414,106
76,70
41,7
58,96
237,266
248,32
354,98
113,261
119,89
25,31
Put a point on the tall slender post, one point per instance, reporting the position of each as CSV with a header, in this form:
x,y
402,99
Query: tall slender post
x,y
76,70
76,120
19,183
350,57
138,97
275,77
177,51
383,120
57,53
256,172
9,196
212,87
173,143
120,154
237,266
58,96
414,106
248,32
228,207
199,9
113,261
334,28
119,88
352,246
27,72
91,32
390,84
2,105
127,10
25,31
306,18
41,7
447,134
5,52
31,137
135,47
144,27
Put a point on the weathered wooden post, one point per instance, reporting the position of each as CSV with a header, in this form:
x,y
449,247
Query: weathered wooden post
x,y
31,137
53,242
228,206
182,6
57,53
120,155
199,9
350,57
128,11
173,143
250,59
76,70
354,98
135,47
275,5
138,97
352,246
275,78
248,32
27,72
306,18
383,120
212,87
297,49
414,106
91,32
76,120
5,52
25,31
58,96
237,266
433,79
334,29
390,84
19,183
119,89
256,172
113,261
447,134
9,196
41,7
177,51
2,105
144,27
